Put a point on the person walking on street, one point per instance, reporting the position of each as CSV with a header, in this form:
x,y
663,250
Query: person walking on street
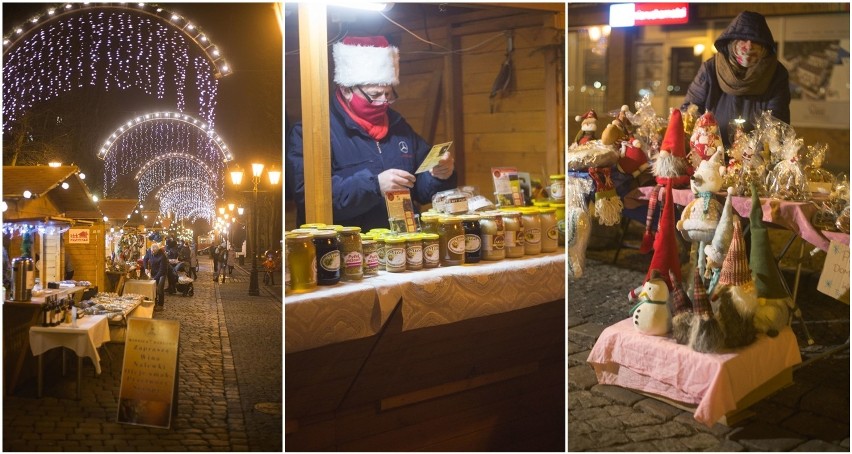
x,y
215,253
223,263
160,273
193,261
232,260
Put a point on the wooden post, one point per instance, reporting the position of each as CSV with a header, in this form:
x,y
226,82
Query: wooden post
x,y
453,103
313,55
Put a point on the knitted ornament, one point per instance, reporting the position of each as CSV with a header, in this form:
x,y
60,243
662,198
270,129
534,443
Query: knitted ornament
x,y
608,205
718,247
774,302
666,257
735,270
365,60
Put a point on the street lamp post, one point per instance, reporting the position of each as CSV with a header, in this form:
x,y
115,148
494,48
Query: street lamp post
x,y
236,179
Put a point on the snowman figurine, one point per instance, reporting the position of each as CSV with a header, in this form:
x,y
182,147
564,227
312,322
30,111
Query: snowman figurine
x,y
651,314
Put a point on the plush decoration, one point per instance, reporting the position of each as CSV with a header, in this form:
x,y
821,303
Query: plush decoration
x,y
705,139
682,315
588,127
715,251
671,164
608,205
736,293
774,302
632,160
666,257
651,314
706,334
701,216
578,229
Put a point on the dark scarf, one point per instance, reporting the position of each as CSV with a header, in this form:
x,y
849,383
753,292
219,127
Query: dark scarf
x,y
739,81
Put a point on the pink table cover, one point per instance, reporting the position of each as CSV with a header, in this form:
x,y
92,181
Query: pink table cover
x,y
793,216
713,381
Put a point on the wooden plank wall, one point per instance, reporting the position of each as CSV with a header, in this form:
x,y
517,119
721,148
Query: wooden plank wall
x,y
493,383
88,259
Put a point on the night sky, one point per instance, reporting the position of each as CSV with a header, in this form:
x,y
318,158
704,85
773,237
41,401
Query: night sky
x,y
249,101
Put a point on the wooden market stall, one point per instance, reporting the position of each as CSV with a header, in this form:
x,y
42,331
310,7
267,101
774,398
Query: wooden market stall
x,y
55,203
452,358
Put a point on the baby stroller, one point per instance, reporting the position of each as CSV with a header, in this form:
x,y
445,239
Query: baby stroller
x,y
184,284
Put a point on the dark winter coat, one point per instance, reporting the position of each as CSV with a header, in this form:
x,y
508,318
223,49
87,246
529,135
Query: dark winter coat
x,y
159,265
706,93
357,160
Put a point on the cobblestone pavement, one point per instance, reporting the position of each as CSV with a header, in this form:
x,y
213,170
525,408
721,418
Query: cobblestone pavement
x,y
810,415
212,412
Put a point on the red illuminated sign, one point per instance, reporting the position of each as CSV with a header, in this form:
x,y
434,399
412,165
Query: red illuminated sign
x,y
632,14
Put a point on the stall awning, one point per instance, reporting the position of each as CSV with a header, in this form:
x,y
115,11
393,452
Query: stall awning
x,y
75,201
117,209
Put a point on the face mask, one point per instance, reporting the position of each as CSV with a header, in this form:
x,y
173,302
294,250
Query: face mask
x,y
372,112
747,53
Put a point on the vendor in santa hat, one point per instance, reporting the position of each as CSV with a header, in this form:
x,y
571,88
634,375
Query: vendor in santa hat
x,y
373,149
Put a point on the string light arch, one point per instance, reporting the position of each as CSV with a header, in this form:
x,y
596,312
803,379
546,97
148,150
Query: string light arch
x,y
169,166
118,46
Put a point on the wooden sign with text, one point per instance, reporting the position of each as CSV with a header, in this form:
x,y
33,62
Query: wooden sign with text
x,y
148,392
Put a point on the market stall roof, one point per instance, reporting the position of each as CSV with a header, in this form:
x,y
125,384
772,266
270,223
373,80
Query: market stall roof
x,y
75,201
116,210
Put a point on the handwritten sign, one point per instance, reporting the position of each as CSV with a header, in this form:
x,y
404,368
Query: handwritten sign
x,y
78,236
834,279
149,373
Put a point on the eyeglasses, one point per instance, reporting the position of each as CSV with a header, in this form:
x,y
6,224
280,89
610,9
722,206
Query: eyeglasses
x,y
374,99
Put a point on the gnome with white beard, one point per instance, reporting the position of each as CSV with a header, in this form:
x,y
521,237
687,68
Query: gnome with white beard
x,y
736,294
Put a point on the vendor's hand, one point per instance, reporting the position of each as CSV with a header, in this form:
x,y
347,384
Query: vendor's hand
x,y
444,168
395,179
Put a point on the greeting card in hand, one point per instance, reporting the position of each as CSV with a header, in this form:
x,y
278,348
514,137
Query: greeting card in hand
x,y
435,155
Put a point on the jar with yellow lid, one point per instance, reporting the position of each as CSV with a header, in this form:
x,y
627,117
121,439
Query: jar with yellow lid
x,y
313,225
429,222
413,252
328,257
431,250
531,219
514,234
370,250
451,240
395,257
549,232
557,188
493,236
351,254
472,238
301,261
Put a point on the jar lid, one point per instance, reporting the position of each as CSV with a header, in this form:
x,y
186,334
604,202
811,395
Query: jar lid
x,y
413,237
557,177
511,213
449,219
430,236
367,236
547,209
300,236
335,227
395,239
379,230
367,242
557,205
470,217
350,230
298,231
324,233
314,225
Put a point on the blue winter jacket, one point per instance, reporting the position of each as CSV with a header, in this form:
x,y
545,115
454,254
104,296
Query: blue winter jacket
x,y
357,160
706,93
159,265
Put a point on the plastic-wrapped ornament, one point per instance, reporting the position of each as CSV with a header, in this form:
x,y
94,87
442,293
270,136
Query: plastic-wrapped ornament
x,y
649,126
820,181
689,118
787,180
775,134
842,222
578,225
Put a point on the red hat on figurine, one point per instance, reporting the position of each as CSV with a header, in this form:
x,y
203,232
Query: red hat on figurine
x,y
634,160
674,142
590,115
666,257
365,60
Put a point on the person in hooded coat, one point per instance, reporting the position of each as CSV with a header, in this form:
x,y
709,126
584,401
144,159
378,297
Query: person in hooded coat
x,y
373,148
744,79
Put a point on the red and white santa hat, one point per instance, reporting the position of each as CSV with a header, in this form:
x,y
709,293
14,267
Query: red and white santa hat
x,y
706,120
365,60
590,115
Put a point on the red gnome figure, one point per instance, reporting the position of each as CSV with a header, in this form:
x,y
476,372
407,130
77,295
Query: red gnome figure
x,y
588,127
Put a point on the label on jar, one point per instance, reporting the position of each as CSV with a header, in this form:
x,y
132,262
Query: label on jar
x,y
395,257
557,189
455,205
472,243
354,259
553,232
371,261
532,236
456,244
414,254
509,236
331,261
432,253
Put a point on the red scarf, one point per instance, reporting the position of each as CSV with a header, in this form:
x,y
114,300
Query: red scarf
x,y
376,131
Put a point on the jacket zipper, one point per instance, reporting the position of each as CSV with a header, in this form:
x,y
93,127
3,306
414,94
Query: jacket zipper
x,y
378,147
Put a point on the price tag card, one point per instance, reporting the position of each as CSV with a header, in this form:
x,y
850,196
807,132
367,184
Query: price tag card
x,y
434,156
400,211
507,186
834,279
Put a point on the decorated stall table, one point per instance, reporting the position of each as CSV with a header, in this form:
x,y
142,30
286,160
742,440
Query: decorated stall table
x,y
716,386
84,339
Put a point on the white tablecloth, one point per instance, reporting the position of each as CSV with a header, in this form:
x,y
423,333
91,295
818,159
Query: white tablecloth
x,y
91,332
146,288
429,297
